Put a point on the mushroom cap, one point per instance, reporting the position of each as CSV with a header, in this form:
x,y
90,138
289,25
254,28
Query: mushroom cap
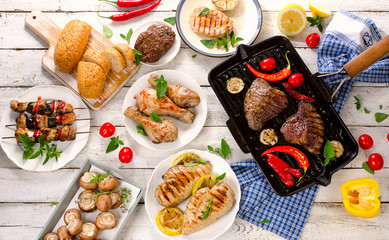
x,y
85,181
108,184
75,226
104,202
106,220
71,214
87,201
116,199
63,233
89,231
51,236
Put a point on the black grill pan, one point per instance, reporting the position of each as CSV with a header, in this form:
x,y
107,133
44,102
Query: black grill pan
x,y
248,139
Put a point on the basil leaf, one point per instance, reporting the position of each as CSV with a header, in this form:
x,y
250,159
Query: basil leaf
x,y
357,103
225,149
140,129
220,178
107,32
379,117
27,153
194,56
366,166
201,161
36,154
190,164
264,221
114,144
25,140
208,43
311,19
123,36
155,117
379,198
380,106
367,111
161,86
53,203
170,20
41,140
329,153
204,12
46,159
138,54
129,34
210,148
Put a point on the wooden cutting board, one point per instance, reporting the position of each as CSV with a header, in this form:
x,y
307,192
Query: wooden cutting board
x,y
49,31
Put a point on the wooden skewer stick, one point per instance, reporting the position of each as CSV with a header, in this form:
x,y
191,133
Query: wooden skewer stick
x,y
14,136
82,119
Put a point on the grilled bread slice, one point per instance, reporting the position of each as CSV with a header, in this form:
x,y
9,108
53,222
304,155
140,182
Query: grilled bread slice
x,y
214,24
93,56
115,59
90,79
127,53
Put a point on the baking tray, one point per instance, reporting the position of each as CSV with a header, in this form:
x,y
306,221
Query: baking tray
x,y
62,206
248,139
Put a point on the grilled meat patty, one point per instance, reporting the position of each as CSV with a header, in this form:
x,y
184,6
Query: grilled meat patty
x,y
214,24
178,183
222,200
262,103
305,128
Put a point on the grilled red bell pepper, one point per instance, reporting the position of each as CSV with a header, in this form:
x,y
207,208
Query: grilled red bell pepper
x,y
128,3
283,169
132,14
297,154
294,94
275,76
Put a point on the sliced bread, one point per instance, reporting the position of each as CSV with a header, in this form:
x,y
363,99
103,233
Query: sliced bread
x,y
93,56
115,59
90,79
127,53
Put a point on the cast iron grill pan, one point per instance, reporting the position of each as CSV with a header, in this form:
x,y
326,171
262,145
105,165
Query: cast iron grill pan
x,y
248,139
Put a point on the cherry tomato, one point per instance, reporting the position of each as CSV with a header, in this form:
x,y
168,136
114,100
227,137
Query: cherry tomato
x,y
376,162
312,40
365,141
107,130
387,136
296,80
37,133
268,64
125,155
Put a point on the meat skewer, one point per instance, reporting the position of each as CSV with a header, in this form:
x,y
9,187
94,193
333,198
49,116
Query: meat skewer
x,y
42,107
43,121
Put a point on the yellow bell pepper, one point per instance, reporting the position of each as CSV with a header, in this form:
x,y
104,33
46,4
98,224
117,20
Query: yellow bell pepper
x,y
361,197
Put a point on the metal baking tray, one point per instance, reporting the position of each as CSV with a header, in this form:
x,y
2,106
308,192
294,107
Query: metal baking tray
x,y
248,139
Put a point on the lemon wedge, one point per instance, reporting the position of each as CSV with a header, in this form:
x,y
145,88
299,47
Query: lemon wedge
x,y
291,19
318,10
170,221
207,180
185,158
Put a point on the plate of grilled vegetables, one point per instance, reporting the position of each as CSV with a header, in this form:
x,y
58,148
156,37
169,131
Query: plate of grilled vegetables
x,y
164,110
192,194
44,128
216,27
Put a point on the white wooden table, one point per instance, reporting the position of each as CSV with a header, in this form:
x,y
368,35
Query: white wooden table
x,y
25,196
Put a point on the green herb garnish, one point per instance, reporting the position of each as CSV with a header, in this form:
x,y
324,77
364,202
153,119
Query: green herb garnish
x,y
114,144
379,198
379,117
208,43
341,131
161,86
204,12
201,161
53,203
329,153
380,106
224,150
190,164
155,117
44,148
221,177
366,166
128,36
194,55
140,129
264,221
208,209
107,32
170,20
357,103
234,40
138,54
316,22
367,111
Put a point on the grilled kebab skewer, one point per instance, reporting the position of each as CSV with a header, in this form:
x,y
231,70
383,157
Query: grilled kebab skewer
x,y
65,134
42,107
40,121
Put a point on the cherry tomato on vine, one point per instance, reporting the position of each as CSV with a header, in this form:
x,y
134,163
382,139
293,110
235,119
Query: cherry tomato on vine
x,y
267,64
107,130
125,155
365,141
376,162
312,40
296,80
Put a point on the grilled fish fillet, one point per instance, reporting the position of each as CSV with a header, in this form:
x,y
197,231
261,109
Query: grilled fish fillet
x,y
178,183
305,128
214,24
222,200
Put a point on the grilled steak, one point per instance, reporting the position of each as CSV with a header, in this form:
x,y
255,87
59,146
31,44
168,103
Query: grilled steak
x,y
262,103
305,128
178,183
221,197
214,24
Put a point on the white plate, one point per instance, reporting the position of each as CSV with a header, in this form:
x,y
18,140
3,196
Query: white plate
x,y
170,54
246,17
186,132
219,166
69,148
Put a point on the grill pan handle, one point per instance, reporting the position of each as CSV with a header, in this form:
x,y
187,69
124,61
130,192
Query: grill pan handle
x,y
238,138
367,58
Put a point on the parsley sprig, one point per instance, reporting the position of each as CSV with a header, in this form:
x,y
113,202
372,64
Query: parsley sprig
x,y
44,148
224,149
161,87
208,209
114,144
316,22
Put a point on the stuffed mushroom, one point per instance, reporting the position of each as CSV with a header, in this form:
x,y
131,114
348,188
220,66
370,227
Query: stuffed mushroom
x,y
75,226
71,214
89,231
63,233
108,184
85,181
104,202
106,220
116,200
87,201
51,236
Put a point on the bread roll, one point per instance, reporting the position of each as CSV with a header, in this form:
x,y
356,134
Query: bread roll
x,y
93,56
90,79
115,59
71,44
127,53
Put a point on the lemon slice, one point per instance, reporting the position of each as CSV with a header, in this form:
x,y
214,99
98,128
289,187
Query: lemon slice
x,y
318,10
186,158
207,180
291,19
170,221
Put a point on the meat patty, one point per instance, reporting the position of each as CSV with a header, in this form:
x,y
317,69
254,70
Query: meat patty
x,y
155,42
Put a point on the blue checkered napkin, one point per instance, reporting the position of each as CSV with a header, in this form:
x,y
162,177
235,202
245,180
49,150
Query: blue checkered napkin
x,y
259,202
346,37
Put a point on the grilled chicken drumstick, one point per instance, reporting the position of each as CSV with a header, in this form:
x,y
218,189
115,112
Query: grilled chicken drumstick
x,y
65,134
42,107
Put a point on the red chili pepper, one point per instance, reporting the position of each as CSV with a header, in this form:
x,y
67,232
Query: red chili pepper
x,y
132,14
275,76
34,108
37,133
58,118
58,134
297,154
128,3
60,105
52,107
283,169
294,94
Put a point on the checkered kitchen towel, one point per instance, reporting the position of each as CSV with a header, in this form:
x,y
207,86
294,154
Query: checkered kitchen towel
x,y
259,202
346,37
